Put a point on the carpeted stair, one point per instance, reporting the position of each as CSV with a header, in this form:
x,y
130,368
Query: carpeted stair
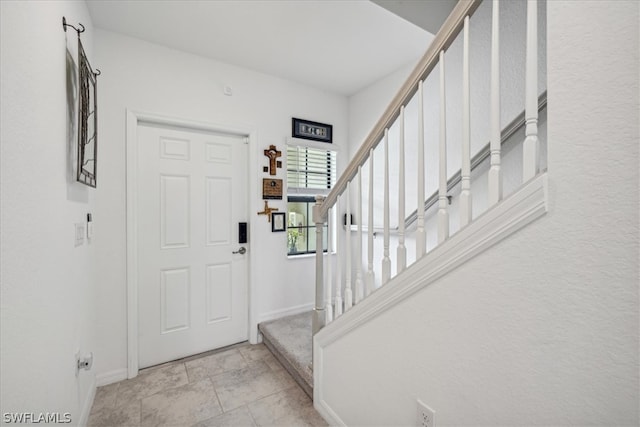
x,y
289,339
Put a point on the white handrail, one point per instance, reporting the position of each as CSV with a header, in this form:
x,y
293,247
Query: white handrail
x,y
446,35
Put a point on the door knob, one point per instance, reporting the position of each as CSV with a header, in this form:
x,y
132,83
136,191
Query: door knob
x,y
240,251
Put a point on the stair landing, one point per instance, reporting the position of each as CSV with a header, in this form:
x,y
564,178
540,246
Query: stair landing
x,y
289,339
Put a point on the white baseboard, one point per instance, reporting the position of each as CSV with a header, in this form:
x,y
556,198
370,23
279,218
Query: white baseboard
x,y
327,413
111,377
88,404
276,314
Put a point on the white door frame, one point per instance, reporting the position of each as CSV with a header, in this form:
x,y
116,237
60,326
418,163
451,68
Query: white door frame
x,y
133,120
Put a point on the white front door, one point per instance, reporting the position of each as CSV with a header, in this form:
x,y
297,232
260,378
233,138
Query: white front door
x,y
192,288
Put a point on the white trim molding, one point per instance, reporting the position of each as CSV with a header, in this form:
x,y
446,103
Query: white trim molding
x,y
507,217
88,404
133,119
111,377
290,311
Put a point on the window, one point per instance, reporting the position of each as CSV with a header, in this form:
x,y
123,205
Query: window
x,y
310,171
301,231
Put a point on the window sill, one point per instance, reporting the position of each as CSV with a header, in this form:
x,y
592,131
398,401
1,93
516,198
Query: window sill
x,y
304,256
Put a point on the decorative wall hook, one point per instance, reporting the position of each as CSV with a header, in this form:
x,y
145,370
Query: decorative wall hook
x,y
65,25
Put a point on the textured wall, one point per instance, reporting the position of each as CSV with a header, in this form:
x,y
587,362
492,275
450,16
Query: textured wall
x,y
543,328
47,284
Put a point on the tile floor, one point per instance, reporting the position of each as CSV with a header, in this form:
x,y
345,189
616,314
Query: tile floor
x,y
240,386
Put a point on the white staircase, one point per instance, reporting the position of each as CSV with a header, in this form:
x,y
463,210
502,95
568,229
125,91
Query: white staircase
x,y
362,290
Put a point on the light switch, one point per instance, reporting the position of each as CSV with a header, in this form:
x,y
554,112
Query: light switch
x,y
79,234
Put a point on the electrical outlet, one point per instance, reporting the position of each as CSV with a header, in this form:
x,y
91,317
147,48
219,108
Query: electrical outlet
x,y
425,417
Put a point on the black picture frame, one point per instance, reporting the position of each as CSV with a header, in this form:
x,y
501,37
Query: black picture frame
x,y
306,129
278,222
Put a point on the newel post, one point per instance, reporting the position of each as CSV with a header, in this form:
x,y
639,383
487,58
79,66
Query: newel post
x,y
318,311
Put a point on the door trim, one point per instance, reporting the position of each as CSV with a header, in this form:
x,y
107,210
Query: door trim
x,y
133,119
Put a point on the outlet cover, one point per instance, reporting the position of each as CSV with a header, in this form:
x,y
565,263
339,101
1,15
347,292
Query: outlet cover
x,y
425,417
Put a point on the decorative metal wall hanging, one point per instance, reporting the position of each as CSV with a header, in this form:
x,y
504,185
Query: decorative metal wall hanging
x,y
87,162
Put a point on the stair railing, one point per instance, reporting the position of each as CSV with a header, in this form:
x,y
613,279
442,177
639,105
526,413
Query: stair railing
x,y
458,21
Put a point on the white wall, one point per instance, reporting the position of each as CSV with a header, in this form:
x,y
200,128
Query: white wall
x,y
146,77
366,106
48,285
542,328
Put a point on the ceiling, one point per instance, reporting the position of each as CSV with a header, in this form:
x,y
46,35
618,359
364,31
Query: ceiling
x,y
338,46
427,14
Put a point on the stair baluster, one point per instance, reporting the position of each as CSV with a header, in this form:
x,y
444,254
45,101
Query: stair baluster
x,y
421,235
402,250
495,172
530,161
386,261
443,202
337,311
370,279
465,186
359,285
348,293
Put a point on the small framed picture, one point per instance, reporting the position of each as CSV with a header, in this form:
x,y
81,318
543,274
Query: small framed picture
x,y
277,221
314,131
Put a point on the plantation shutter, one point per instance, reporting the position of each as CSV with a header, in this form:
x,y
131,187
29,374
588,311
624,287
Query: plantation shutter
x,y
310,170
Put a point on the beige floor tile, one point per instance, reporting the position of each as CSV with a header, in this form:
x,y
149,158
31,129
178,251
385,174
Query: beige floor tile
x,y
274,364
125,415
236,388
215,364
105,397
239,417
149,382
255,352
291,407
181,406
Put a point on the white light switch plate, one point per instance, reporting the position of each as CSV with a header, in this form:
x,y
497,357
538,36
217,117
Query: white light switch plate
x,y
79,234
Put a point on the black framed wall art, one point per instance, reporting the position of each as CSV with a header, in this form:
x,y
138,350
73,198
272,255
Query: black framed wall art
x,y
306,129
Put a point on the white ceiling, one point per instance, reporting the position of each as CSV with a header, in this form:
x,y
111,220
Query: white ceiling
x,y
427,14
338,46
